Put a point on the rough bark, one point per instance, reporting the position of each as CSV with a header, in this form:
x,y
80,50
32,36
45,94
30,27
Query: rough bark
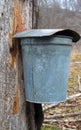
x,y
15,16
35,14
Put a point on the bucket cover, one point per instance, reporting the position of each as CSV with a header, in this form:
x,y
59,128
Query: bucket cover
x,y
48,32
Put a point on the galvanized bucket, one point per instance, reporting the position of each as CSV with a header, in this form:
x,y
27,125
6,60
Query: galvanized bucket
x,y
46,62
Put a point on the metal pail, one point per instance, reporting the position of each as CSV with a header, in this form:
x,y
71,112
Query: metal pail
x,y
46,62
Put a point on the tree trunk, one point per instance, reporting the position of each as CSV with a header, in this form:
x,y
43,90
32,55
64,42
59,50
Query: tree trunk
x,y
15,112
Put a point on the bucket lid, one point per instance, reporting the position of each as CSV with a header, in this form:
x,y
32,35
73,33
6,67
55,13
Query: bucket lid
x,y
48,32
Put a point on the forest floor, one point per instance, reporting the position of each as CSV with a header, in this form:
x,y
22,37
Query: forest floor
x,y
67,115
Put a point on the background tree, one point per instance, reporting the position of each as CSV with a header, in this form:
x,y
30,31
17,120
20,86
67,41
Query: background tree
x,y
60,14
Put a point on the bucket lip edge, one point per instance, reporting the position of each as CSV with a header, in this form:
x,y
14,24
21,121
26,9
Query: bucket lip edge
x,y
63,36
28,41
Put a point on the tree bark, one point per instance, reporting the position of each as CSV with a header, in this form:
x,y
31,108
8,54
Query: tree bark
x,y
15,112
